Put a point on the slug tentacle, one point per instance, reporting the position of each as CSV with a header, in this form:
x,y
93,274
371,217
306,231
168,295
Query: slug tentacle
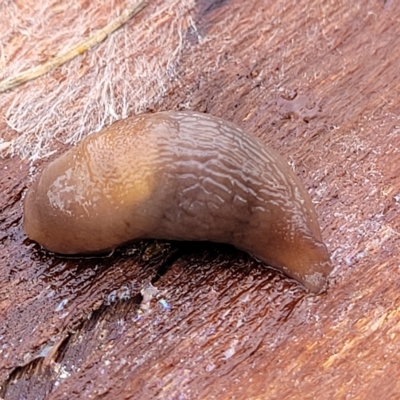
x,y
178,176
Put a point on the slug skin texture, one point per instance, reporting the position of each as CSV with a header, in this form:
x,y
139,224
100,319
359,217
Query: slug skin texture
x,y
178,175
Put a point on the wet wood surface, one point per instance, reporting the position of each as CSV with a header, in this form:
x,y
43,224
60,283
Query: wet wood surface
x,y
157,320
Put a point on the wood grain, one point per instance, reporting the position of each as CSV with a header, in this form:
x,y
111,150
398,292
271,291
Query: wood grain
x,y
316,81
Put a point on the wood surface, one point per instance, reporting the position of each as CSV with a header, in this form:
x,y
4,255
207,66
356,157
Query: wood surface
x,y
317,81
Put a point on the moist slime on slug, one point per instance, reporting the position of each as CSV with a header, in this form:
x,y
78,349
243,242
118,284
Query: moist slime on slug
x,y
179,176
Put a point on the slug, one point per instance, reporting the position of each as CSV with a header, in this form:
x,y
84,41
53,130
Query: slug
x,y
178,176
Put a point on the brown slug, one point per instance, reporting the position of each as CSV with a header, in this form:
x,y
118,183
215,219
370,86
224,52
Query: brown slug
x,y
179,176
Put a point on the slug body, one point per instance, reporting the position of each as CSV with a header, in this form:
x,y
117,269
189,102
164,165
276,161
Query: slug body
x,y
178,176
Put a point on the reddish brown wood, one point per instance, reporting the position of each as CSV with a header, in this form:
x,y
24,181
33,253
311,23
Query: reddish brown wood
x,y
318,81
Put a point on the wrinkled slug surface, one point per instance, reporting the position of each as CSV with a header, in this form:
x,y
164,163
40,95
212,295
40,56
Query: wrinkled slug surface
x,y
178,176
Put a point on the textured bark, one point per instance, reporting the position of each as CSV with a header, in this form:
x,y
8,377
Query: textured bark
x,y
317,81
